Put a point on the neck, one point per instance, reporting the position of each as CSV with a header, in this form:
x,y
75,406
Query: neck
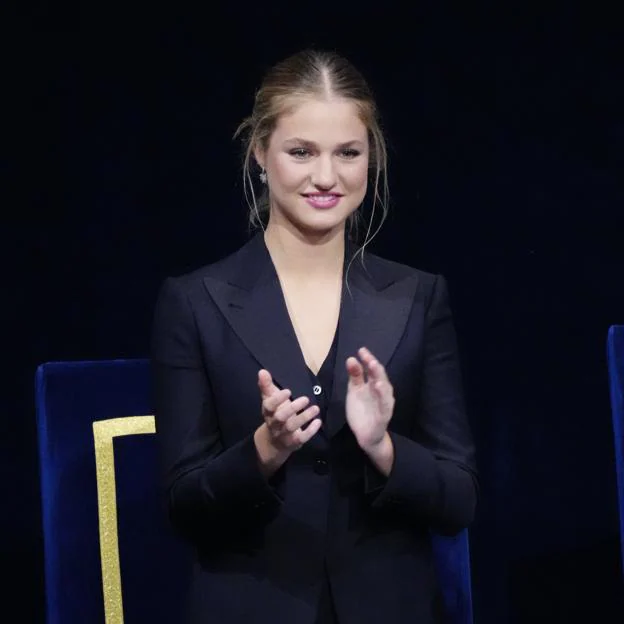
x,y
304,256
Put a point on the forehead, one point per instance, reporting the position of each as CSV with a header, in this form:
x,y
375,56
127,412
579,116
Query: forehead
x,y
336,119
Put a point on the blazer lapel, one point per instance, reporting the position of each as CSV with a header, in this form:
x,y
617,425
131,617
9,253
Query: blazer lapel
x,y
247,291
373,315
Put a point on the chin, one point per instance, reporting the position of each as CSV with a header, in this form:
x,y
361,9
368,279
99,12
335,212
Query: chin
x,y
322,223
316,221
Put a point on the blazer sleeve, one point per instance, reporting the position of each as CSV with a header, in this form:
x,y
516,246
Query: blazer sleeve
x,y
434,478
207,486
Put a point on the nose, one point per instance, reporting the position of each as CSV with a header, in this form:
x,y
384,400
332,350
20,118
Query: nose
x,y
324,172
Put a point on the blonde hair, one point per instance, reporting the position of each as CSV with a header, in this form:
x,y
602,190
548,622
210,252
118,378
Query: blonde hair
x,y
312,73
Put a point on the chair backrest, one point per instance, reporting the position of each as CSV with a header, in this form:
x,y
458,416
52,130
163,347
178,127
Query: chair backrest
x,y
109,556
452,556
103,519
615,358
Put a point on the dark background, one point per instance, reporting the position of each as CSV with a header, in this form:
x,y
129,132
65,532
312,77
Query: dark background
x,y
506,140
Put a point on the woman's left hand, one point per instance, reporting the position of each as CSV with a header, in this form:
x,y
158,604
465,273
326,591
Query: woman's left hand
x,y
370,401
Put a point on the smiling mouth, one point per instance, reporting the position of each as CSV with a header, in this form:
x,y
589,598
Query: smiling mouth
x,y
322,200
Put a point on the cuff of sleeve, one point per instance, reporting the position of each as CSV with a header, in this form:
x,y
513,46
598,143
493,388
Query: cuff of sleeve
x,y
374,481
412,480
235,478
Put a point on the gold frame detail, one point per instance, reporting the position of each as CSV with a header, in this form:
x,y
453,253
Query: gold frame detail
x,y
103,433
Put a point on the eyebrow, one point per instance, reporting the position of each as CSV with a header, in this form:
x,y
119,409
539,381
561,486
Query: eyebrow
x,y
306,143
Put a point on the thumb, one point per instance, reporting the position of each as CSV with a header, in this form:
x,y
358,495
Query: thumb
x,y
265,382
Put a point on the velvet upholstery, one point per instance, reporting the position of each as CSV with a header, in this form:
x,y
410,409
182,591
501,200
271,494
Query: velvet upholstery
x,y
615,353
154,568
70,397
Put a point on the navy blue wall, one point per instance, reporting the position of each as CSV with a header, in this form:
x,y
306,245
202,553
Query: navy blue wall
x,y
507,143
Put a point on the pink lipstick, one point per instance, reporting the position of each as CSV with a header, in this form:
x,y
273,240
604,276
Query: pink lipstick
x,y
322,200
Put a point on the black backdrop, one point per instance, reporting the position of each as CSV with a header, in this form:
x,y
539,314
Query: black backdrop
x,y
506,135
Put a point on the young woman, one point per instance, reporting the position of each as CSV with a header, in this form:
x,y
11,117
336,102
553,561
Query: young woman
x,y
308,393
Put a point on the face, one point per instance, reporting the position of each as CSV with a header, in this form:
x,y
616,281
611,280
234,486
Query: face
x,y
317,165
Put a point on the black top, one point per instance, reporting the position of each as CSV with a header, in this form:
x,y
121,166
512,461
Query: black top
x,y
323,381
322,384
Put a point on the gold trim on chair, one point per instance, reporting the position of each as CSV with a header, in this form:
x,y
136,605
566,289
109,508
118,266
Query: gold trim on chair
x,y
103,433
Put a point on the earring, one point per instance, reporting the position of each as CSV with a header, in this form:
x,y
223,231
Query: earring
x,y
263,176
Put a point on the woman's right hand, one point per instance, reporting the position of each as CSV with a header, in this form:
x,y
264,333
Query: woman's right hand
x,y
282,431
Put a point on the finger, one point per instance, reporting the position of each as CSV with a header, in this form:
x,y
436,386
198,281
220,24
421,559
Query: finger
x,y
299,420
273,402
382,388
385,394
303,435
286,410
355,371
374,368
266,384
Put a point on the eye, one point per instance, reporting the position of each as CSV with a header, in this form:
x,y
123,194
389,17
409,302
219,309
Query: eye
x,y
350,153
299,152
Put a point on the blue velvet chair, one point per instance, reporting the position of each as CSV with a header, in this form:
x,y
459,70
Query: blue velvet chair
x,y
615,356
103,517
109,556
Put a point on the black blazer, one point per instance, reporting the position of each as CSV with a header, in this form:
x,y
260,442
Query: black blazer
x,y
262,546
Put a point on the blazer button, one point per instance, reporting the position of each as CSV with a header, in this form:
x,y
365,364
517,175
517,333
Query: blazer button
x,y
321,467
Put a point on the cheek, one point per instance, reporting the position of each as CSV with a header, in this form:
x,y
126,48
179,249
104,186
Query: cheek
x,y
287,175
357,177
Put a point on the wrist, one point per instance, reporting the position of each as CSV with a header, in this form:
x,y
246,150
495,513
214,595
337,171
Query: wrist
x,y
270,457
381,453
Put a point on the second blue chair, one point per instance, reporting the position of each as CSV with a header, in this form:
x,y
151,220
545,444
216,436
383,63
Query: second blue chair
x,y
615,355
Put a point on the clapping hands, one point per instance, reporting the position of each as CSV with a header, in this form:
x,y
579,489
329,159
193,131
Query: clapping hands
x,y
369,406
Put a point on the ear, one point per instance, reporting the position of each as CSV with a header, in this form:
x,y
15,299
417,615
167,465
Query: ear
x,y
259,155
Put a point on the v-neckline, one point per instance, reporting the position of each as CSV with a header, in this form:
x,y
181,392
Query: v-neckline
x,y
333,344
330,353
